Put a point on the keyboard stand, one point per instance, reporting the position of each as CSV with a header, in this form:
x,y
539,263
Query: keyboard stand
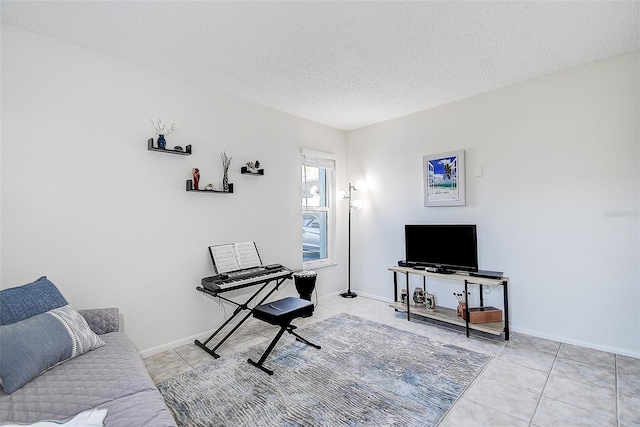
x,y
236,312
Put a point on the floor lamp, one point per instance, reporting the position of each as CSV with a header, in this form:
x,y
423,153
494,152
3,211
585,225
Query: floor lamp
x,y
357,204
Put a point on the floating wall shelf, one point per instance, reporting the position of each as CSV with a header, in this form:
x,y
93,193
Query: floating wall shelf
x,y
186,152
245,171
190,188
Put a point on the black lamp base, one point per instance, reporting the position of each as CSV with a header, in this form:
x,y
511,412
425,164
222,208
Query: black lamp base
x,y
348,294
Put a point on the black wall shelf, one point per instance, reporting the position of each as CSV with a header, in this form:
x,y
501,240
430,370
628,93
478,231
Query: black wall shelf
x,y
245,171
186,152
190,188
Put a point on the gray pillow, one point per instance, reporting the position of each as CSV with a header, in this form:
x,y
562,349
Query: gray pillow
x,y
102,320
31,346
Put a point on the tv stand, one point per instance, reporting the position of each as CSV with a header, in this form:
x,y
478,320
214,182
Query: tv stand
x,y
449,315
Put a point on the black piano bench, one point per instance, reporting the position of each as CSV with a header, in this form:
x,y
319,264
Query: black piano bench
x,y
281,313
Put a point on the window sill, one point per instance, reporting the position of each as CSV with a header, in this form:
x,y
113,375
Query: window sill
x,y
314,265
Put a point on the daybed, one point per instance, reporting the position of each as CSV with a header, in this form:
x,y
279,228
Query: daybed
x,y
110,375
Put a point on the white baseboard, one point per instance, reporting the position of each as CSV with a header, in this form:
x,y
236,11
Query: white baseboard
x,y
375,297
333,294
171,345
359,293
620,351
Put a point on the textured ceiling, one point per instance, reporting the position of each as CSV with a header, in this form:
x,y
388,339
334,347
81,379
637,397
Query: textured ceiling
x,y
343,64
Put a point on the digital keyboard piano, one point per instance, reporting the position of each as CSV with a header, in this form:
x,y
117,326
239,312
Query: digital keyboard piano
x,y
243,278
260,277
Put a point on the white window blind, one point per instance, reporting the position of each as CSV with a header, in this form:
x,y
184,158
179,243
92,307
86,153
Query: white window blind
x,y
318,160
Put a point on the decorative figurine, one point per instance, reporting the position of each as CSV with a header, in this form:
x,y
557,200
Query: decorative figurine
x,y
430,301
209,187
418,297
226,162
196,177
252,167
162,130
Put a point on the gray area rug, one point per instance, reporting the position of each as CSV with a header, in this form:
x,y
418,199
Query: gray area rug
x,y
366,374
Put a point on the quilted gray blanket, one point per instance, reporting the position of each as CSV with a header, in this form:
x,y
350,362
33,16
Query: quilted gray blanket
x,y
112,377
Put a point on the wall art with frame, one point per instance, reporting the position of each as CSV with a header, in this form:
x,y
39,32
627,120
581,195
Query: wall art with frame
x,y
443,177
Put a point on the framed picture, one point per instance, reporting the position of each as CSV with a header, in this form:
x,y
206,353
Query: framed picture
x,y
443,176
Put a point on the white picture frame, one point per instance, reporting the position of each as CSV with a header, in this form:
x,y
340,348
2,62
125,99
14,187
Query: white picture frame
x,y
444,179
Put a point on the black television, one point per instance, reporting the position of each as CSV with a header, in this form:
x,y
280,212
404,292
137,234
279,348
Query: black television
x,y
448,248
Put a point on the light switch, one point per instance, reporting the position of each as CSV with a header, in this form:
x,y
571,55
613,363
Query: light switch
x,y
479,170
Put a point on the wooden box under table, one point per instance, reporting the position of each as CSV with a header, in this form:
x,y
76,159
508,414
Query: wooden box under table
x,y
483,315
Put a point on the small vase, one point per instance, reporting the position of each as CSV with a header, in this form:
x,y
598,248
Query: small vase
x,y
225,181
418,297
162,143
196,178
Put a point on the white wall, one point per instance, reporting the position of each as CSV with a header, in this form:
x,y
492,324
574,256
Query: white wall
x,y
560,154
85,203
109,222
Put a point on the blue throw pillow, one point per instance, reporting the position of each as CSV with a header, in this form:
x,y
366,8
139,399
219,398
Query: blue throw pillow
x,y
24,301
31,346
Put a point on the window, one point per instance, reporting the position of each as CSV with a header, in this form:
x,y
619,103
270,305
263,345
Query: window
x,y
318,211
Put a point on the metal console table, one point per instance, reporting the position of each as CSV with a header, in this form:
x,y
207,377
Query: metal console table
x,y
449,315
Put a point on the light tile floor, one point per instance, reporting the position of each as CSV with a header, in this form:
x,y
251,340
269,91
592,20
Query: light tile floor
x,y
529,381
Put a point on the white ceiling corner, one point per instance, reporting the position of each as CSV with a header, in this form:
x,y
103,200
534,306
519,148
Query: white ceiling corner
x,y
343,64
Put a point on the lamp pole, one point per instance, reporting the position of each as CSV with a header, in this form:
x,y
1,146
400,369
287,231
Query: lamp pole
x,y
349,294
